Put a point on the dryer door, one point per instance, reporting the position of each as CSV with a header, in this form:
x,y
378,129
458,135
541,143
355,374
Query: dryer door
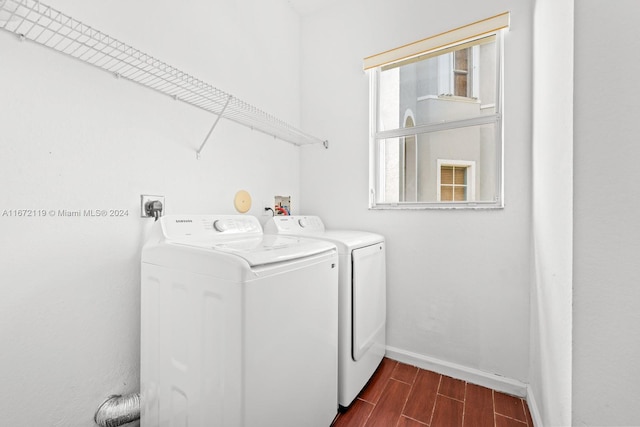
x,y
368,297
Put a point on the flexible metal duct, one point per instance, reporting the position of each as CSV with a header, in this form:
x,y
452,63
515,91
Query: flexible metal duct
x,y
118,410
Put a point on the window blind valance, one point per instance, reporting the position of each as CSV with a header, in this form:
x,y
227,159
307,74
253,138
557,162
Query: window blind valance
x,y
439,41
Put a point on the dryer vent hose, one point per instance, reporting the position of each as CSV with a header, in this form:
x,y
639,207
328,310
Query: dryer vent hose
x,y
118,410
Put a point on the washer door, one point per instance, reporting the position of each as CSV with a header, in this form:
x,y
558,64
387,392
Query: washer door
x,y
368,297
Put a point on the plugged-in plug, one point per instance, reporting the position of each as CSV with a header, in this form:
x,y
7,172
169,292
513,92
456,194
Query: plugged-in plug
x,y
151,206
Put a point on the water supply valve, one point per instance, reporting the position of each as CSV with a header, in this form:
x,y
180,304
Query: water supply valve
x,y
282,205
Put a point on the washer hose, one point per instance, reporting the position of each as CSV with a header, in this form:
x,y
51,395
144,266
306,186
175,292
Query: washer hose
x,y
118,410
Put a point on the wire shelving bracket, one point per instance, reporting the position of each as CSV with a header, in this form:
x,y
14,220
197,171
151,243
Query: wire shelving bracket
x,y
34,21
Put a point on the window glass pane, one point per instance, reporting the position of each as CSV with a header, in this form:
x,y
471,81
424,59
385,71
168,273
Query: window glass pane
x,y
447,194
452,85
446,175
461,57
459,194
416,179
460,84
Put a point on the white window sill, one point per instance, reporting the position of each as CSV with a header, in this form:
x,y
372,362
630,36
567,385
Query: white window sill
x,y
437,205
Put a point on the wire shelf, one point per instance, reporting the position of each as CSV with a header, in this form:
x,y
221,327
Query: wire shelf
x,y
37,22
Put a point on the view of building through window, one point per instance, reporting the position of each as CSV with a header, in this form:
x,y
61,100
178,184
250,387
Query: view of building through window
x,y
440,105
453,183
461,72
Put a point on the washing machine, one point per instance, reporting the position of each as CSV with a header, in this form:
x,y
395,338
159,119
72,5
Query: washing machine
x,y
361,297
238,328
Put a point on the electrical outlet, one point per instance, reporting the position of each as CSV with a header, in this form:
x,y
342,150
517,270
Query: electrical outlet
x,y
143,201
265,208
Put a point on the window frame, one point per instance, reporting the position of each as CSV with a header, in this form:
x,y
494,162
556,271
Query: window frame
x,y
470,172
376,157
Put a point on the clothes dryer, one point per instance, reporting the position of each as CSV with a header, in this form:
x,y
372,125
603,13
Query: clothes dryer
x,y
238,328
361,298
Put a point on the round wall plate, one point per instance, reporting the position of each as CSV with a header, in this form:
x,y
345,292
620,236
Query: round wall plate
x,y
242,201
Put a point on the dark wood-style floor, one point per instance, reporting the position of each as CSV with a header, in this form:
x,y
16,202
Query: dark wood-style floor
x,y
400,395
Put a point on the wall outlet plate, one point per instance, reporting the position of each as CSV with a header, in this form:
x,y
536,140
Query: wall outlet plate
x,y
265,208
147,198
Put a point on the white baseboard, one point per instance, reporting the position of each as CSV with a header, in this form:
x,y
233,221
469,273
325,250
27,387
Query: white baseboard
x,y
533,407
474,376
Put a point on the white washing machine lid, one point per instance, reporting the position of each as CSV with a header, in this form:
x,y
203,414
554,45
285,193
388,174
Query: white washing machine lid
x,y
238,235
264,249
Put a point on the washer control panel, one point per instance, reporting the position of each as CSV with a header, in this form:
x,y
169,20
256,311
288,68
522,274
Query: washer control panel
x,y
180,227
294,224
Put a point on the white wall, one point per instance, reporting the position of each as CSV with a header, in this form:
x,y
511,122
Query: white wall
x,y
606,298
476,314
550,376
73,137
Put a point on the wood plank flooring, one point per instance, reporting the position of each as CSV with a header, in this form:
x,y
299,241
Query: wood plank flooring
x,y
400,395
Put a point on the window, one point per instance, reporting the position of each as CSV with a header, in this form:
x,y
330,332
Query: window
x,y
461,81
431,101
456,181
